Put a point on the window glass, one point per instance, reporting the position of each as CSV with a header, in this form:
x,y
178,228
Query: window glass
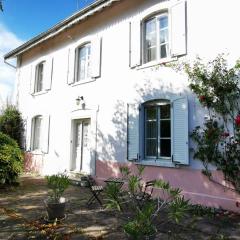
x,y
83,67
157,136
156,38
37,122
39,77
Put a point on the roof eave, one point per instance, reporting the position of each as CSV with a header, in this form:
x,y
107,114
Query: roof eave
x,y
56,29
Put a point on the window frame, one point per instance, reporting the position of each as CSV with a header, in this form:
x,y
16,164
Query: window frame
x,y
157,103
87,72
168,57
34,132
37,77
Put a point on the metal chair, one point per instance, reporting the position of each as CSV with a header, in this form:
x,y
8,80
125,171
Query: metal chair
x,y
95,190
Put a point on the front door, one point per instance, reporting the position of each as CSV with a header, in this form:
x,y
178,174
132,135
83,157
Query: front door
x,y
81,156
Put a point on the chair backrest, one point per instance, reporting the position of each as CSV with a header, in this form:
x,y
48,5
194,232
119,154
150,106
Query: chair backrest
x,y
91,181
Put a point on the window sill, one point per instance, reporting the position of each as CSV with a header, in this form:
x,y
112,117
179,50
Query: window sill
x,y
37,152
158,163
84,81
39,93
155,63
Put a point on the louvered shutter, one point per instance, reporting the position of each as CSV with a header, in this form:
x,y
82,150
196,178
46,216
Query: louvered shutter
x,y
133,132
71,66
135,43
32,78
178,29
45,134
47,81
96,57
28,134
180,131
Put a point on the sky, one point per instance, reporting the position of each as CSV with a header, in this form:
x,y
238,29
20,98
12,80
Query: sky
x,y
20,21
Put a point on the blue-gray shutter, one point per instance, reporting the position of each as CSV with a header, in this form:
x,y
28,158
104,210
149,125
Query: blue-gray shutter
x,y
71,66
133,132
47,81
45,134
180,131
178,29
135,43
96,45
32,78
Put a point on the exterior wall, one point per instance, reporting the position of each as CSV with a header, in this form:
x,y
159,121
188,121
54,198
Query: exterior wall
x,y
107,97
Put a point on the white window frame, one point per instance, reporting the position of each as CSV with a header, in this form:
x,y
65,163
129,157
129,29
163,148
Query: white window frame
x,y
87,72
37,77
34,132
156,103
144,49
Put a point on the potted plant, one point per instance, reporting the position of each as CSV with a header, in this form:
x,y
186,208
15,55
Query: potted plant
x,y
56,203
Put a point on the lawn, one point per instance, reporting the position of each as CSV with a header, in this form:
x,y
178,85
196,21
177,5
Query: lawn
x,y
22,215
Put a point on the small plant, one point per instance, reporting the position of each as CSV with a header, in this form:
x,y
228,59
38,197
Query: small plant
x,y
58,183
145,210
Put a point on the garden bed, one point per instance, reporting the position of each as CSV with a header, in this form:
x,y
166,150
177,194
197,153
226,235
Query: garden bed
x,y
22,215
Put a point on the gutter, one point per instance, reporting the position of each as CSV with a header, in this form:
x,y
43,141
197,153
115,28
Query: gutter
x,y
97,6
9,64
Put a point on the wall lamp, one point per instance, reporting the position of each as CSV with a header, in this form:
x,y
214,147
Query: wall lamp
x,y
79,99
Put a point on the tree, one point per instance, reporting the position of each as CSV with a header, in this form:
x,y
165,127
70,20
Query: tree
x,y
11,123
1,6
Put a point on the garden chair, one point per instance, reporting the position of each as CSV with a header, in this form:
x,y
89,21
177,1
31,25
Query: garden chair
x,y
145,194
95,191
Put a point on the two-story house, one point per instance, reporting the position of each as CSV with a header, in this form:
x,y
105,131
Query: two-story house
x,y
95,93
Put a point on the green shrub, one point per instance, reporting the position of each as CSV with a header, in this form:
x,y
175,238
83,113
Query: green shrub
x,y
11,123
58,183
11,159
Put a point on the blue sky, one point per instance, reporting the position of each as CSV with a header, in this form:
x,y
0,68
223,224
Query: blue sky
x,y
21,21
27,18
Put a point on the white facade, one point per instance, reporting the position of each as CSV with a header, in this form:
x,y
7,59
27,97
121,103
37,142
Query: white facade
x,y
118,81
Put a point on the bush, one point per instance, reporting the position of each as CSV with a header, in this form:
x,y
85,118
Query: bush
x,y
11,123
11,159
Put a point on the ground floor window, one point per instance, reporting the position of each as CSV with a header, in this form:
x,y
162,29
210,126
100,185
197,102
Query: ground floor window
x,y
157,129
36,132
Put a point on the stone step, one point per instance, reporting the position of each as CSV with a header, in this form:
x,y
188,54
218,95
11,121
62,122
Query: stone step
x,y
78,179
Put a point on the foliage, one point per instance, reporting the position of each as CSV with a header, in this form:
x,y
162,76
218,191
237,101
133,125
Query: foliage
x,y
218,141
11,159
11,123
58,183
145,210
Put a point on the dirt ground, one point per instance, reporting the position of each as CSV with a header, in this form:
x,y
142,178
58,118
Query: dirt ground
x,y
22,215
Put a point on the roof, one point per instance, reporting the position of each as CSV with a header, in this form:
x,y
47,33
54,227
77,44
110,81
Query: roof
x,y
93,8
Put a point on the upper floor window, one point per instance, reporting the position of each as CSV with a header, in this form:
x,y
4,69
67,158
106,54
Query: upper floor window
x,y
156,38
83,62
36,132
38,87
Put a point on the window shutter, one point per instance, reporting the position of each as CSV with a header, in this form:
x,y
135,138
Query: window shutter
x,y
135,43
48,74
178,29
96,57
32,78
45,134
180,131
133,132
71,65
28,133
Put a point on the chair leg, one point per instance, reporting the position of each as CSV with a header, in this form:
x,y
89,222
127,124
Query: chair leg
x,y
93,198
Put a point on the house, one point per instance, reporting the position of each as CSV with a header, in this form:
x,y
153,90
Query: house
x,y
95,94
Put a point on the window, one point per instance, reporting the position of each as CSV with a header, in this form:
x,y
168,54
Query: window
x,y
83,62
38,87
156,38
36,133
157,129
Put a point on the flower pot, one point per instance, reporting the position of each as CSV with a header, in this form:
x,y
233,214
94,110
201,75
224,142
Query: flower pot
x,y
56,210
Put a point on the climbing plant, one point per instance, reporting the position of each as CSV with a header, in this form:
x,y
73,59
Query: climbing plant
x,y
217,141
